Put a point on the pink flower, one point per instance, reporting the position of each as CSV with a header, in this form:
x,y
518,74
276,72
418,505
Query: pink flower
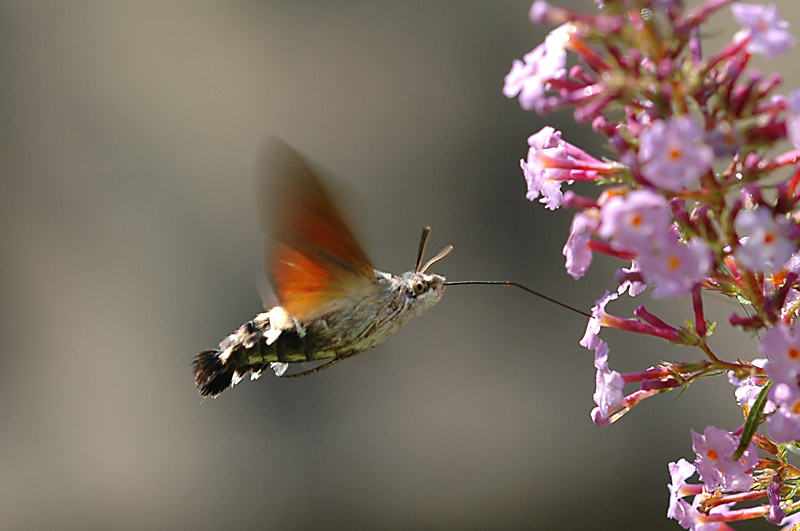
x,y
784,423
676,268
635,222
748,389
538,11
776,513
608,386
529,78
689,517
678,488
552,161
767,34
590,338
781,345
577,253
715,464
793,119
631,280
790,521
672,153
601,318
537,169
764,240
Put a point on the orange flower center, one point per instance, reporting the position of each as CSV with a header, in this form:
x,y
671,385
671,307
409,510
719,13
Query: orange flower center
x,y
778,278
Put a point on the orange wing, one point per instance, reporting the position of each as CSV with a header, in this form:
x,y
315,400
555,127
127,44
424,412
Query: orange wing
x,y
312,259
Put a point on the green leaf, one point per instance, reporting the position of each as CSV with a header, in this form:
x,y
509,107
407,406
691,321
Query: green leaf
x,y
752,422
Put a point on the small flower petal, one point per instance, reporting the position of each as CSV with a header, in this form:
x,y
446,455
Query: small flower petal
x,y
781,345
636,221
528,78
590,338
608,384
784,423
673,154
577,253
676,268
764,240
679,472
768,34
715,464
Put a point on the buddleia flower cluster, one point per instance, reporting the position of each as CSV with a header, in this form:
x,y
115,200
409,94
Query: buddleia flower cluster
x,y
700,199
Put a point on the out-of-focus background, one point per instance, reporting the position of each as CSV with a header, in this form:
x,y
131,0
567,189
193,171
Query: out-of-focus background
x,y
130,134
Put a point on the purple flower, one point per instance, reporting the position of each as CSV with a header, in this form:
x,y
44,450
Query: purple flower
x,y
528,79
776,513
748,389
679,472
676,268
784,423
672,153
717,469
781,345
664,4
689,517
764,240
635,222
790,304
633,287
577,253
552,161
776,281
537,169
538,11
793,120
768,34
608,386
790,521
590,339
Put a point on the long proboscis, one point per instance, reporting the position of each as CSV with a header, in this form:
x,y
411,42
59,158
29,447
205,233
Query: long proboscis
x,y
518,285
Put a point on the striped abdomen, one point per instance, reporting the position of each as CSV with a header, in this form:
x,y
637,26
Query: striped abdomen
x,y
251,349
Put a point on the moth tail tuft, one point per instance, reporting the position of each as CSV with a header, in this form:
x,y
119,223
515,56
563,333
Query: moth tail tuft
x,y
211,374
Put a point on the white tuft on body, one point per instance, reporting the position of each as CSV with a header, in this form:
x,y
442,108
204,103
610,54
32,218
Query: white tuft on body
x,y
279,318
278,367
226,346
271,335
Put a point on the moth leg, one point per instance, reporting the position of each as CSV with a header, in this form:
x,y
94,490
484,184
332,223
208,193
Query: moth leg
x,y
308,372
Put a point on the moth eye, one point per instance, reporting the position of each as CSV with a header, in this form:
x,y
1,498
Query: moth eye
x,y
419,287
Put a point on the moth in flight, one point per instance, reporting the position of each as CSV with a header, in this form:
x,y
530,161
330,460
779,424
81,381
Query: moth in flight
x,y
332,303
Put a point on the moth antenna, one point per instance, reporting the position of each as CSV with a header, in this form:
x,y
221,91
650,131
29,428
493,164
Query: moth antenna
x,y
517,285
426,231
444,252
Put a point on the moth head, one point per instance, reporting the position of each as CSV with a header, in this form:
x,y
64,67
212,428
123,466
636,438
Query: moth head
x,y
423,290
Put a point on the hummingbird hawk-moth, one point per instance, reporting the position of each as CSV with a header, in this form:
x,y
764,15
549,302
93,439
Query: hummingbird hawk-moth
x,y
332,303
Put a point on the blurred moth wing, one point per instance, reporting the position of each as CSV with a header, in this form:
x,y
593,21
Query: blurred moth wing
x,y
311,258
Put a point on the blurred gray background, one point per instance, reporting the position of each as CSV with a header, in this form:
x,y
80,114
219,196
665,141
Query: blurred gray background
x,y
130,138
